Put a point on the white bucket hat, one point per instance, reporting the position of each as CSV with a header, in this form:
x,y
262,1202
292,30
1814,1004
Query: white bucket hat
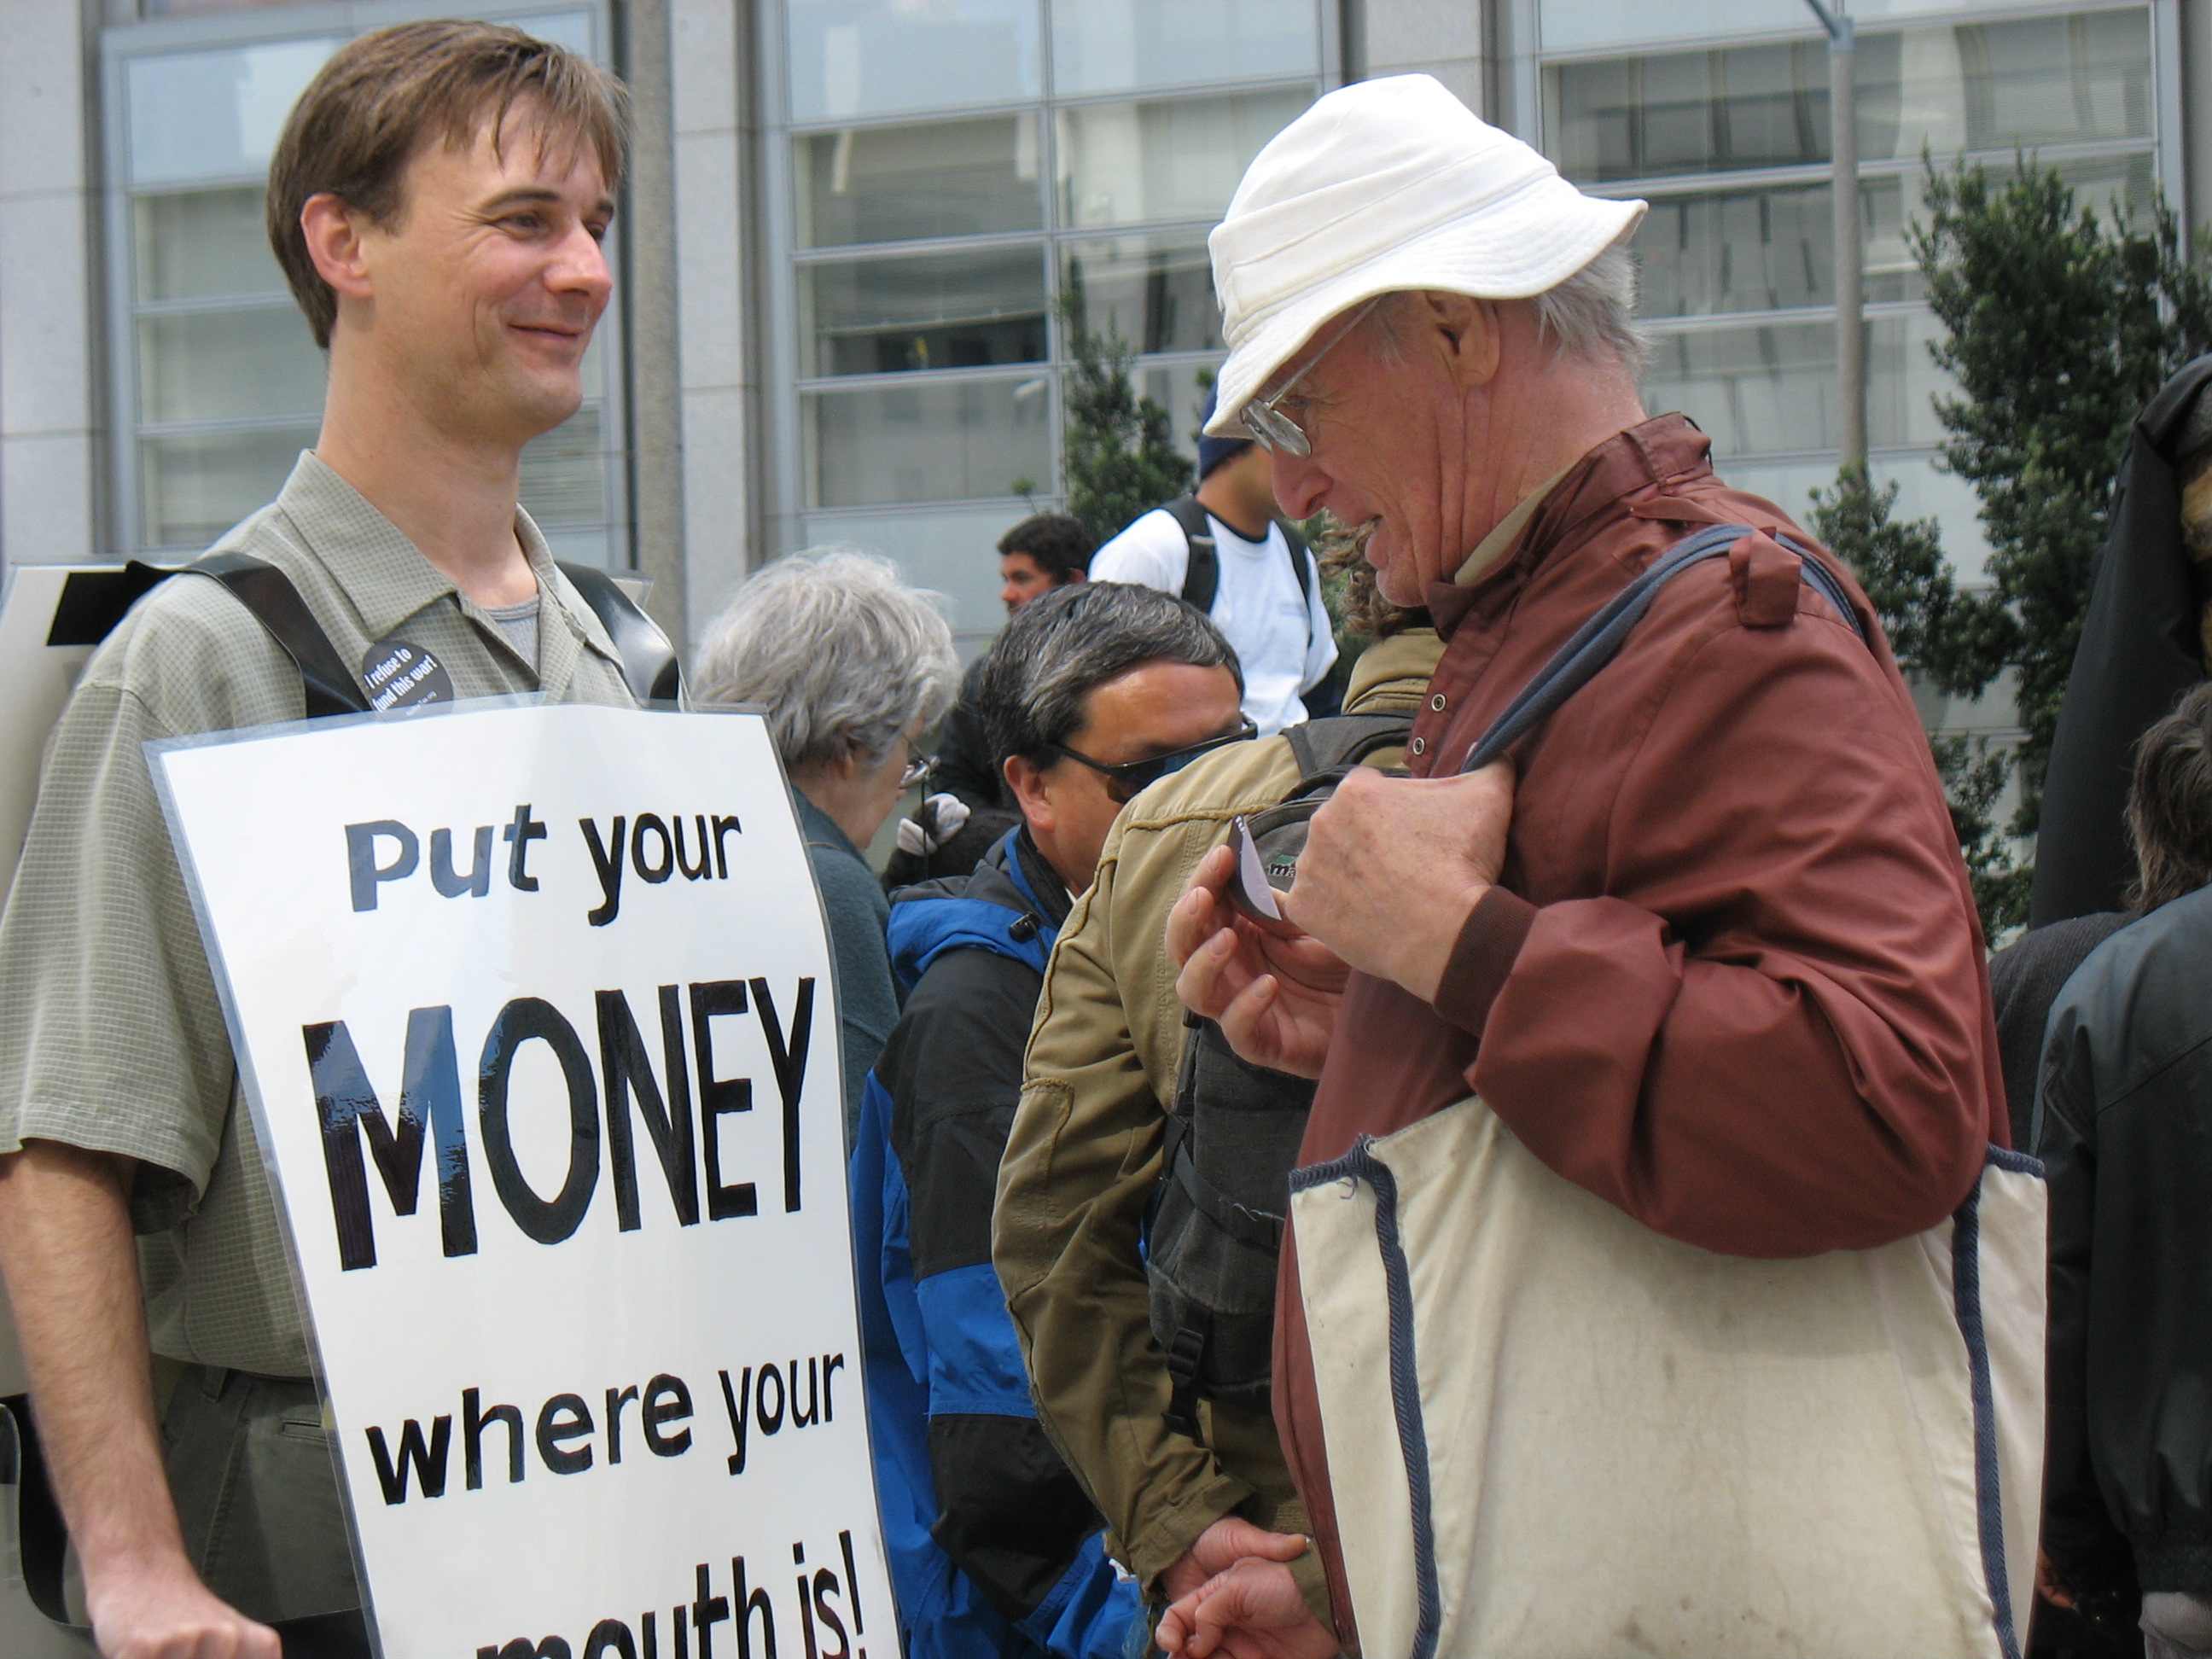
x,y
1385,185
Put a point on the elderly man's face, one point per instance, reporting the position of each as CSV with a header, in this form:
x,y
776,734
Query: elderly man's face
x,y
1390,450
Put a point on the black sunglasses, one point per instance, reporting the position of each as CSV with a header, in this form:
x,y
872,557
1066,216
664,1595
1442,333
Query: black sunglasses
x,y
1130,778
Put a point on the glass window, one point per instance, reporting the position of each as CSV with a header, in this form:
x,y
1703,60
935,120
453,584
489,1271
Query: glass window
x,y
936,310
215,114
2031,80
1690,111
1566,25
1770,389
1121,163
564,472
2038,80
1753,250
196,244
226,366
1154,290
195,485
851,57
905,184
937,442
1133,46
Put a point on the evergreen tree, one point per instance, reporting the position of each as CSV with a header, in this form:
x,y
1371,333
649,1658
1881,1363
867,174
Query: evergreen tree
x,y
2060,324
1119,451
1946,637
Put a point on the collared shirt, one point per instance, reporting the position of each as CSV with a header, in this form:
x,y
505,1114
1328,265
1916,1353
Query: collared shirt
x,y
115,1040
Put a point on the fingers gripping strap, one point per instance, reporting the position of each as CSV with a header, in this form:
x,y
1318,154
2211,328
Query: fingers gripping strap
x,y
1599,640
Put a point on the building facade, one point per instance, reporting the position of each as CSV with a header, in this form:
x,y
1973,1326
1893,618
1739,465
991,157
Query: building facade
x,y
857,230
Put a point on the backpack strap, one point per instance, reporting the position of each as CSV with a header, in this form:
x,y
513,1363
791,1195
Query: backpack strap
x,y
650,667
1201,577
267,592
1295,541
1344,740
649,663
1596,643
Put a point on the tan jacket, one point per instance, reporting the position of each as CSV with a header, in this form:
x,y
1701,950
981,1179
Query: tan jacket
x,y
1084,1157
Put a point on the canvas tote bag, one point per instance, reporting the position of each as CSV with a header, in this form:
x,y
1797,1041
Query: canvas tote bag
x,y
1552,1431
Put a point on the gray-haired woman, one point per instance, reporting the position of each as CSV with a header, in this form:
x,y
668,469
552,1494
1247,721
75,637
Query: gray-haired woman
x,y
852,664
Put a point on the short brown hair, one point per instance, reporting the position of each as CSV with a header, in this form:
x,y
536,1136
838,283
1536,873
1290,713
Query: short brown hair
x,y
384,96
2170,805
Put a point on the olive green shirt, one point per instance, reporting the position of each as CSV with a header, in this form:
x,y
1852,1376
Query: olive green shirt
x,y
114,1039
1085,1155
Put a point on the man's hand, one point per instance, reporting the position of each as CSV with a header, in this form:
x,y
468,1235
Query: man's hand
x,y
164,1612
1393,866
1251,1611
1221,1547
1273,991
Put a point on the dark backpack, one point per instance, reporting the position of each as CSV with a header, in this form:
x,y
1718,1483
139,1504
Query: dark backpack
x,y
1232,1137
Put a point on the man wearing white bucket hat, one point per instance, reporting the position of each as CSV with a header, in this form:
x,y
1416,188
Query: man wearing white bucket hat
x,y
1656,1279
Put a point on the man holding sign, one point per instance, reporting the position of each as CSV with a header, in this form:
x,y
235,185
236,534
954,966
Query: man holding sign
x,y
437,201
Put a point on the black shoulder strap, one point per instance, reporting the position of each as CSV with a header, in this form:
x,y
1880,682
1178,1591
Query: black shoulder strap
x,y
650,667
1595,644
267,592
1295,540
1201,578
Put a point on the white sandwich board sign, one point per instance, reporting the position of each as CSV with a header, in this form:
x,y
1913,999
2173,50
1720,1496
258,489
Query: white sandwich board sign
x,y
534,1009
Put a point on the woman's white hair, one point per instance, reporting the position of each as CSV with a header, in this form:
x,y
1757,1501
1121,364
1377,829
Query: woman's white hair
x,y
841,653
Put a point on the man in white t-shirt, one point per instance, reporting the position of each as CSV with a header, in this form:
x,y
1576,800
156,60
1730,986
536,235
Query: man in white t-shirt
x,y
1267,592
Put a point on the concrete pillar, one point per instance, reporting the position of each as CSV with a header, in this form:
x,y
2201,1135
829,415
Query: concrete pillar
x,y
717,348
50,356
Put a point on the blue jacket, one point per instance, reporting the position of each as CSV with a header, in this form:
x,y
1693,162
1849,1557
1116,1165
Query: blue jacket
x,y
995,1550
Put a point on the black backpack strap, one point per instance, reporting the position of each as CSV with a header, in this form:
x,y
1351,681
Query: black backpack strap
x,y
1596,643
1293,539
650,667
267,592
1201,577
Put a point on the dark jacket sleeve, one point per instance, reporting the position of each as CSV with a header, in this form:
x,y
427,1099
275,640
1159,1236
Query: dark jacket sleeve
x,y
963,747
2126,1137
1011,1515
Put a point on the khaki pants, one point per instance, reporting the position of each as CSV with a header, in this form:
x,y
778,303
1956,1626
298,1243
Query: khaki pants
x,y
257,1491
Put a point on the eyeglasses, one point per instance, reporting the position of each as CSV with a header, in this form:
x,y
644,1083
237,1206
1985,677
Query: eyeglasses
x,y
1270,427
1130,778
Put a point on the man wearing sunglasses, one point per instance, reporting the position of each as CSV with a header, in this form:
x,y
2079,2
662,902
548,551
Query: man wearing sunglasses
x,y
1093,691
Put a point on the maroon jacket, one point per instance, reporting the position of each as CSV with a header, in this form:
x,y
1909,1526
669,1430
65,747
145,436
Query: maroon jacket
x,y
1732,980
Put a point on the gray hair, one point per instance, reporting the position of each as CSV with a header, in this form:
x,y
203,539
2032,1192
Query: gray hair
x,y
844,655
1589,316
1064,644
